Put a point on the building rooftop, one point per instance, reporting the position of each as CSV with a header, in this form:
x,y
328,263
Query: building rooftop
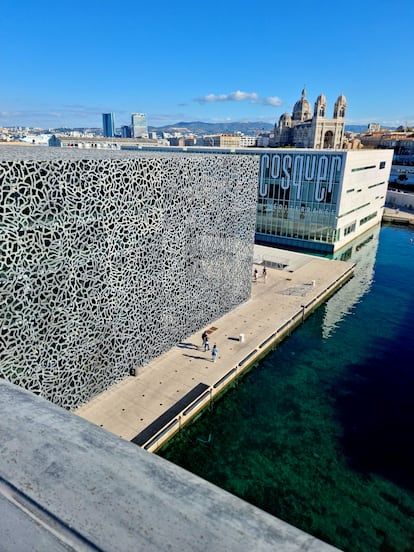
x,y
44,153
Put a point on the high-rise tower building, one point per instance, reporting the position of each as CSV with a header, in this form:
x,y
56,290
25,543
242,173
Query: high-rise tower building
x,y
139,127
125,131
108,124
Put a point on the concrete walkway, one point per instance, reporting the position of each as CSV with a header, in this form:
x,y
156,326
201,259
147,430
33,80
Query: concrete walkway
x,y
398,216
277,305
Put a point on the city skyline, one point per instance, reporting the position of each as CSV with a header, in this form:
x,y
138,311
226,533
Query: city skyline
x,y
65,65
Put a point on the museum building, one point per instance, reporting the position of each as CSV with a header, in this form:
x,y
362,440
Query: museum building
x,y
109,259
314,199
320,200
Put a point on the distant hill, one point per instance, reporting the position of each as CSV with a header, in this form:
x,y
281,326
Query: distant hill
x,y
356,128
201,128
363,128
250,128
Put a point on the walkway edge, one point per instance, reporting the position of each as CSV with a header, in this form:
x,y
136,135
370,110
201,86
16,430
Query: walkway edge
x,y
206,398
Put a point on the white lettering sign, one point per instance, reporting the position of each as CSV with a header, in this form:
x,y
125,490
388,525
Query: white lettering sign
x,y
295,170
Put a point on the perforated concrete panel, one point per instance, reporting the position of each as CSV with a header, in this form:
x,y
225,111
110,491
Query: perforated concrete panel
x,y
108,262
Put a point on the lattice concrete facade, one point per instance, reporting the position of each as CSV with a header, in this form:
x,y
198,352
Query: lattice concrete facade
x,y
110,259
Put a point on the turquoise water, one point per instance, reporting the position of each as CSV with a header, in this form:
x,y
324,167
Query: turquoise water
x,y
321,432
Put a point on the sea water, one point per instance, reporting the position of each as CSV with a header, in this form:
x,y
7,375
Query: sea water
x,y
321,432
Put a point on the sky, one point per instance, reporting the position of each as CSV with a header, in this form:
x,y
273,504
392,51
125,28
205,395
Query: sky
x,y
63,64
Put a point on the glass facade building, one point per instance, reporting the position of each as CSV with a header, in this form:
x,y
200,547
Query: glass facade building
x,y
320,199
139,125
108,124
125,131
298,195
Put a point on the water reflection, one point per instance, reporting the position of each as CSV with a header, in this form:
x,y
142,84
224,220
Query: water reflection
x,y
362,251
320,433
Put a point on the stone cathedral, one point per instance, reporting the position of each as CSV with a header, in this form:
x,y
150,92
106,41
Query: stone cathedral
x,y
303,129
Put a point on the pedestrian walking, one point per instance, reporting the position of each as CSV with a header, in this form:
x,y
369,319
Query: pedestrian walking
x,y
203,337
255,274
214,353
264,274
206,344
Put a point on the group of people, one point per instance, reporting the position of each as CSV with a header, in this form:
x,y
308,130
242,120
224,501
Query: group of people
x,y
206,346
256,272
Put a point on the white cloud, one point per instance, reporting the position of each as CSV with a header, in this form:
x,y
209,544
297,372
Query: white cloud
x,y
272,100
239,96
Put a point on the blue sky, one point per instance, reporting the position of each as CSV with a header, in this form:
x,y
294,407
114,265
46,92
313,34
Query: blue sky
x,y
65,63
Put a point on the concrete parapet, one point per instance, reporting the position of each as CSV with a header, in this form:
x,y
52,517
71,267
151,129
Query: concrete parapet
x,y
66,484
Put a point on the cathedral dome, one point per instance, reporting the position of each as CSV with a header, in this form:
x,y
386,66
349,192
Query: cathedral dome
x,y
302,108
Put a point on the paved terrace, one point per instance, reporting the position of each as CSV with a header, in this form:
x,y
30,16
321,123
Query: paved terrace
x,y
398,216
150,407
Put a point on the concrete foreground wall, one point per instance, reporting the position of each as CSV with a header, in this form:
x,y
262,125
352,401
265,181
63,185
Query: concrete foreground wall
x,y
107,263
66,484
